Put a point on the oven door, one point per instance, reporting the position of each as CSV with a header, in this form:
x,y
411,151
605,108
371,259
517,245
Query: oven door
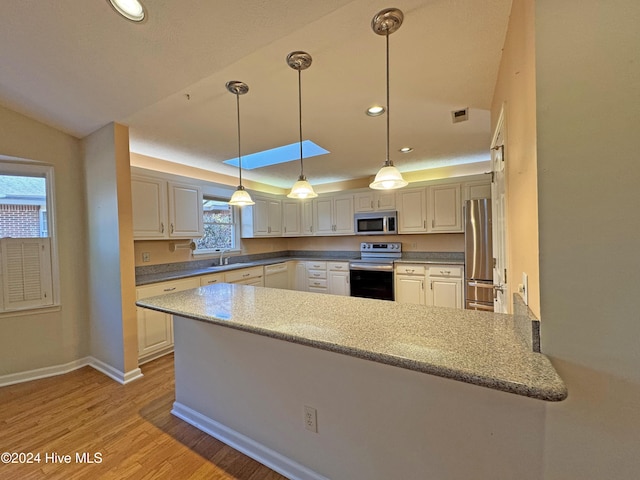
x,y
372,282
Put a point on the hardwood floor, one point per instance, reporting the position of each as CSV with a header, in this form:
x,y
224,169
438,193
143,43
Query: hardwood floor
x,y
127,430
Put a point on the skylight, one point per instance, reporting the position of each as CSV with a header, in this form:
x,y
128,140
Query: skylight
x,y
287,153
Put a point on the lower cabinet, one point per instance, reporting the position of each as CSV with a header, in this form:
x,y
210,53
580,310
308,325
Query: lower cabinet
x,y
445,286
155,329
434,285
246,276
409,284
328,277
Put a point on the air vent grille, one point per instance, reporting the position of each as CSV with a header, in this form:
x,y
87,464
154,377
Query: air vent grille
x,y
460,115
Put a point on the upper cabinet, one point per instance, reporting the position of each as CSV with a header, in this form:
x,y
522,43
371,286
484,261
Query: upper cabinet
x,y
333,215
163,209
297,218
444,209
374,201
264,219
412,210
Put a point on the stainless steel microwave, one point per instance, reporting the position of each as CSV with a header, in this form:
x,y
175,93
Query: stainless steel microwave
x,y
376,223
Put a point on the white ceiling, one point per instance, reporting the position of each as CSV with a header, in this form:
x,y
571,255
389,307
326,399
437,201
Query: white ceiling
x,y
76,65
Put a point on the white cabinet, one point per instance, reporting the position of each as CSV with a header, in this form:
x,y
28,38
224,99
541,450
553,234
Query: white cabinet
x,y
410,283
264,219
338,278
155,329
444,209
211,278
476,189
317,277
374,201
445,286
163,209
306,211
277,275
246,276
333,215
291,218
412,210
300,282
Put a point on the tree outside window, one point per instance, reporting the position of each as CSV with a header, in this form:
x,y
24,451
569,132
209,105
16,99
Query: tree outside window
x,y
219,227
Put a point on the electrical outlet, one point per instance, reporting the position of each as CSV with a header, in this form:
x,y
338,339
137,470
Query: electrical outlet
x,y
146,257
310,419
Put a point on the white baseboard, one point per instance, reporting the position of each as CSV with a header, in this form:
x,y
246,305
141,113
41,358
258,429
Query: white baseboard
x,y
114,373
272,459
38,373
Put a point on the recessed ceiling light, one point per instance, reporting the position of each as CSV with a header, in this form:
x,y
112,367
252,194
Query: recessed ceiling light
x,y
129,9
406,149
375,110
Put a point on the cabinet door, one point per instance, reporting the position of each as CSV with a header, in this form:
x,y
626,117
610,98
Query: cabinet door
x,y
343,215
385,201
260,213
185,211
275,217
363,202
291,217
307,217
323,216
477,189
149,204
444,207
300,281
445,293
339,283
412,211
211,279
410,289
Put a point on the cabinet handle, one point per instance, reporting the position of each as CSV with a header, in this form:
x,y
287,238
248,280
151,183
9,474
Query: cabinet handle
x,y
422,285
433,223
431,286
378,203
371,203
424,224
246,274
172,228
212,281
169,289
161,227
411,270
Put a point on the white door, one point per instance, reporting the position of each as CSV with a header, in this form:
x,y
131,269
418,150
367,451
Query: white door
x,y
499,207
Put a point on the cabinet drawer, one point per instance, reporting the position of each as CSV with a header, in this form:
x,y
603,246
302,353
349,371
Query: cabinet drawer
x,y
338,266
318,282
166,287
410,269
211,279
317,265
447,271
316,274
243,274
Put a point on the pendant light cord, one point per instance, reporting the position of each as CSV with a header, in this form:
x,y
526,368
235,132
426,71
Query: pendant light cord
x,y
300,118
239,156
388,162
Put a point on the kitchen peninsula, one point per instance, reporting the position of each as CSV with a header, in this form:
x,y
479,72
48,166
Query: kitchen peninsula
x,y
249,359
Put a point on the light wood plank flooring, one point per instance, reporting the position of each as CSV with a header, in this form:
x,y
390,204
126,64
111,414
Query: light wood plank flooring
x,y
129,425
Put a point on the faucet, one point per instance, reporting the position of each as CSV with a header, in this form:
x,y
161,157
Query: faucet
x,y
222,251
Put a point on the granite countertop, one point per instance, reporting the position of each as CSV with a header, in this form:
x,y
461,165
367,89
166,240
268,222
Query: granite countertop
x,y
479,348
163,276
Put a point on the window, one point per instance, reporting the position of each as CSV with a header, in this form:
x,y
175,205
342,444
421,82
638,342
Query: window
x,y
28,264
219,226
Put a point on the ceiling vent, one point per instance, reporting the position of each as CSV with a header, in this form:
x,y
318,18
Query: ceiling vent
x,y
460,115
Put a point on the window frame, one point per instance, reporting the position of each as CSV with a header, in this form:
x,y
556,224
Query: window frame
x,y
236,230
30,168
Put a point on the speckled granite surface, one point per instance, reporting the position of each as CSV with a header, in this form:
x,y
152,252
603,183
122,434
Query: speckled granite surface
x,y
174,271
474,347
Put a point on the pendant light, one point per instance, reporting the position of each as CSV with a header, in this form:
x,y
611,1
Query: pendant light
x,y
240,197
302,188
385,23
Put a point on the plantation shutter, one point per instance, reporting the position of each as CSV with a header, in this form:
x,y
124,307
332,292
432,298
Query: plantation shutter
x,y
26,272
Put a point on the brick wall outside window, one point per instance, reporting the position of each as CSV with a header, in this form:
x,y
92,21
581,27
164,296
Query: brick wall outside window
x,y
19,221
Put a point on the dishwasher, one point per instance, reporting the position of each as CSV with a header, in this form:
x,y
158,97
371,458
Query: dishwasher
x,y
276,275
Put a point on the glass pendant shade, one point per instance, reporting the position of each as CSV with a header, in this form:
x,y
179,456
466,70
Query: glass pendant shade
x,y
388,178
241,198
302,189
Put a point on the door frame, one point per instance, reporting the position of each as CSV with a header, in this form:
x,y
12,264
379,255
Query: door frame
x,y
499,204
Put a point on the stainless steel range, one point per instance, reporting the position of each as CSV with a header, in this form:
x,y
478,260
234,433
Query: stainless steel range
x,y
371,276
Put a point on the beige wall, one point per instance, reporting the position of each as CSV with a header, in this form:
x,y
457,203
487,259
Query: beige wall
x,y
110,231
38,340
515,92
588,104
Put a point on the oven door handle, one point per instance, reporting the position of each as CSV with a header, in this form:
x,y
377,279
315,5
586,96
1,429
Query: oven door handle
x,y
371,267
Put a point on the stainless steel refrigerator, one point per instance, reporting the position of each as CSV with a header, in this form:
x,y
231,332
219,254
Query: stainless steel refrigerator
x,y
478,255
